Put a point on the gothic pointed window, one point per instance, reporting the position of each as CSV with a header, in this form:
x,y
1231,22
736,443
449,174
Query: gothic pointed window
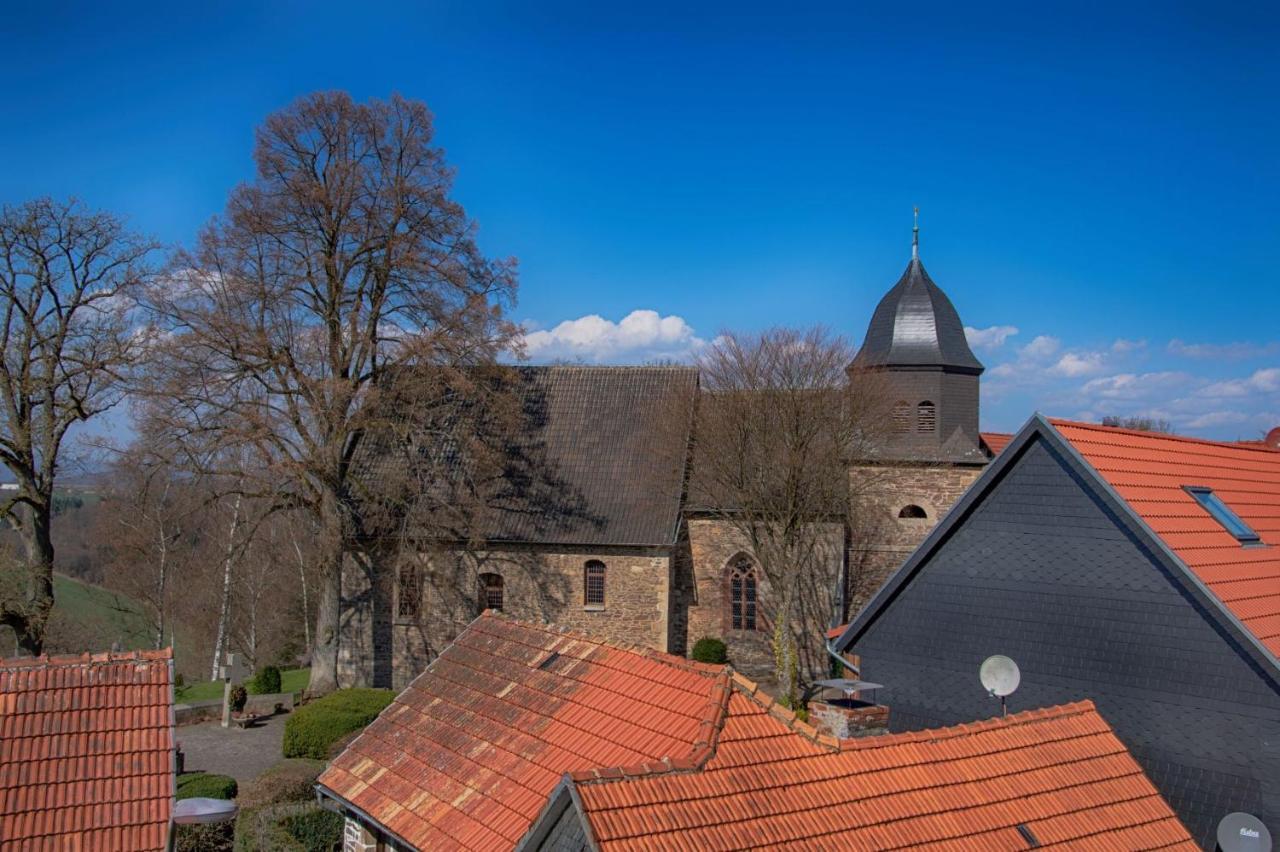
x,y
491,591
593,574
926,417
409,595
742,593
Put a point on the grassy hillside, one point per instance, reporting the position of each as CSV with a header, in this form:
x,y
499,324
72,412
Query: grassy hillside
x,y
91,618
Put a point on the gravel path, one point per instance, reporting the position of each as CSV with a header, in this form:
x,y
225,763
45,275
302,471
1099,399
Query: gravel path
x,y
243,755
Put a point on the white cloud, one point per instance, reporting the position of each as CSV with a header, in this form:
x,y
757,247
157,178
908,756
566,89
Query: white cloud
x,y
1041,347
992,337
1122,346
640,336
1074,365
1237,351
1132,386
1266,380
1211,419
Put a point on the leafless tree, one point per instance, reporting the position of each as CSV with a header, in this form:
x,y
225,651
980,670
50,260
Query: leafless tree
x,y
1139,423
68,278
778,422
345,259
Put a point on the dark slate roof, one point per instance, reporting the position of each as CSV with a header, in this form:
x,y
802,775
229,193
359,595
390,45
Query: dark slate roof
x,y
915,325
597,457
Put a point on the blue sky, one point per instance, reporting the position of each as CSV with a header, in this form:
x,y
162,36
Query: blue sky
x,y
1097,185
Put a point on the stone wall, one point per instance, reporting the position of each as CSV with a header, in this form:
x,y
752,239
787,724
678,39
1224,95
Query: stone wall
x,y
881,540
385,644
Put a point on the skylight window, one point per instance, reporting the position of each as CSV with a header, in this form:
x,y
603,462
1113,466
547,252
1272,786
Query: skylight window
x,y
1222,513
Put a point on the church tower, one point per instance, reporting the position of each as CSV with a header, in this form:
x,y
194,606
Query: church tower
x,y
916,342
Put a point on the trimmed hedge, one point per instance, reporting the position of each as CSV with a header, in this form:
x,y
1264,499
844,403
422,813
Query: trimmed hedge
x,y
289,827
265,682
710,650
312,729
290,780
197,785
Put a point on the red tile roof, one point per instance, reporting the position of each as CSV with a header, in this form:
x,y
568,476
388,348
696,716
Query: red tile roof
x,y
1148,470
1061,772
467,755
87,751
996,441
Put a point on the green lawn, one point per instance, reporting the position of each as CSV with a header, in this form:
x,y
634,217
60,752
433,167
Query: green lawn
x,y
91,618
291,680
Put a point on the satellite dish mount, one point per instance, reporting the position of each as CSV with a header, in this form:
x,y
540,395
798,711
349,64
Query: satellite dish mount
x,y
1000,677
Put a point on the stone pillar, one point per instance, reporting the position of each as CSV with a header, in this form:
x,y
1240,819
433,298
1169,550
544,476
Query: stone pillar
x,y
357,838
846,718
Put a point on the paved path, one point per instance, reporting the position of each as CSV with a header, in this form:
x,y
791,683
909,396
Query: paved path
x,y
242,754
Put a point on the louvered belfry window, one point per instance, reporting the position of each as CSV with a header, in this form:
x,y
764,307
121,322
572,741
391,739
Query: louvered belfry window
x,y
742,594
926,417
491,591
901,417
593,574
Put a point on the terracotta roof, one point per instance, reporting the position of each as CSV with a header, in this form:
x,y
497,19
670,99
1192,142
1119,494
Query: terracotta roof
x,y
996,441
1149,471
467,755
1060,772
87,751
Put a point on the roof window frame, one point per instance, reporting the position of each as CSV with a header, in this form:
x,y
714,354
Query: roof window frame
x,y
1234,525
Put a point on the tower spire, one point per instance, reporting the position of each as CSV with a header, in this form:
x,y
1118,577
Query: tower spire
x,y
915,235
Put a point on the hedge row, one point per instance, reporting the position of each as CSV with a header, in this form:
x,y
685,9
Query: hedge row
x,y
313,729
196,785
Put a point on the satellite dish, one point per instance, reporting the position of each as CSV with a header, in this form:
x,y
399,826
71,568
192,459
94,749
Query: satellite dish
x,y
1240,832
1000,675
200,811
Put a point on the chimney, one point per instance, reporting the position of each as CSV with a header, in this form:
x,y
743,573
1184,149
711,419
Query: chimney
x,y
847,718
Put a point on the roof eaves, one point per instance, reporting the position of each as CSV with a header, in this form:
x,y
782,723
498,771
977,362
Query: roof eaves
x,y
322,790
972,495
564,796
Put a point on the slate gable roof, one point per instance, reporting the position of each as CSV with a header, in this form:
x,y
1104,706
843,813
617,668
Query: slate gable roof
x,y
87,751
597,457
1142,475
915,325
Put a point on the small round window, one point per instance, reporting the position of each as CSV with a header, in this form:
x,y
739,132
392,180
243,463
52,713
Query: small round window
x,y
912,511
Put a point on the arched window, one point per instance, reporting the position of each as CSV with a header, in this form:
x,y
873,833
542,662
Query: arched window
x,y
911,510
593,583
926,417
901,417
741,574
409,595
491,591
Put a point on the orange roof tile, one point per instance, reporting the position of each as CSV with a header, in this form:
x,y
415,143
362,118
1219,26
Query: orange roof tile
x,y
996,441
1149,469
1061,772
87,751
468,753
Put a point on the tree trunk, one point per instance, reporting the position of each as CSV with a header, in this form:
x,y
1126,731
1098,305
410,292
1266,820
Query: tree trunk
x,y
324,655
218,646
29,617
306,606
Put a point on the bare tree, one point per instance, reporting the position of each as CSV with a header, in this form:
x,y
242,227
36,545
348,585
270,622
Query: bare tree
x,y
67,283
778,422
342,260
1139,423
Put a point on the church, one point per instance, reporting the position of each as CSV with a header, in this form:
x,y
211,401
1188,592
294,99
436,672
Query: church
x,y
616,540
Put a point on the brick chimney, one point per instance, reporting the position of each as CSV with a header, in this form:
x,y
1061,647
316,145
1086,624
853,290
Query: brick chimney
x,y
847,718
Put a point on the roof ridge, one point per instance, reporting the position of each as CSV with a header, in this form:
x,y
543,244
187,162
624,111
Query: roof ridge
x,y
87,658
645,651
751,690
1161,436
716,710
980,726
